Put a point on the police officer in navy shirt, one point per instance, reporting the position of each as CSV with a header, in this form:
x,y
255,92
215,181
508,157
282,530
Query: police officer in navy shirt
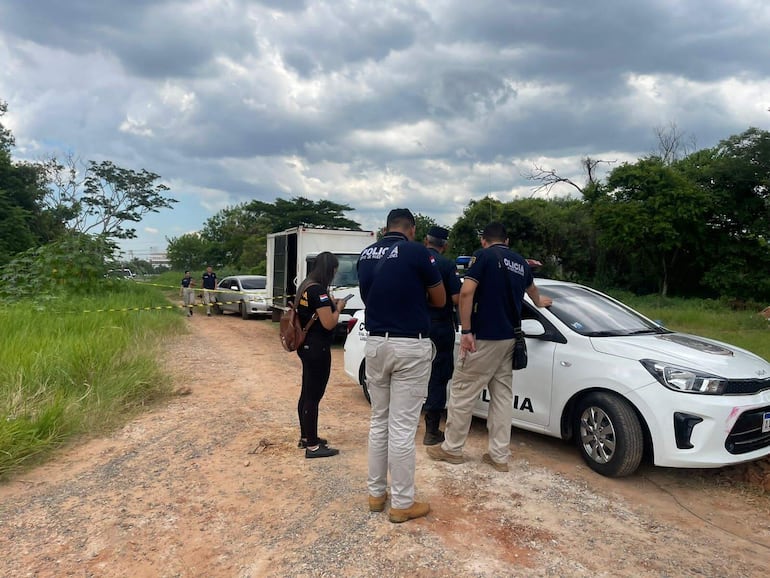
x,y
209,285
443,326
398,278
489,313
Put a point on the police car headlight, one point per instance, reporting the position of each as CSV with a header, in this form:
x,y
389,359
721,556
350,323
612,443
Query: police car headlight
x,y
256,299
684,379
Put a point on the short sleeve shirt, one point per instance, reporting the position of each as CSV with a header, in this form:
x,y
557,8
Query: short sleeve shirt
x,y
312,299
493,317
209,280
452,285
394,274
186,282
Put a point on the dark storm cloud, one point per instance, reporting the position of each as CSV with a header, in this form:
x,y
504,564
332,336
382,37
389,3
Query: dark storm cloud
x,y
149,38
241,99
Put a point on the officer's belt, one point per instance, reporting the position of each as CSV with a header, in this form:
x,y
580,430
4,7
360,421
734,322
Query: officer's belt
x,y
394,334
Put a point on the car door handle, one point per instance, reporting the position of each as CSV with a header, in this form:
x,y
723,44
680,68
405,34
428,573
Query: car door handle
x,y
565,364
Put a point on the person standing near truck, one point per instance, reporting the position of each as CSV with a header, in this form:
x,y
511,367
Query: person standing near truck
x,y
443,326
209,286
319,311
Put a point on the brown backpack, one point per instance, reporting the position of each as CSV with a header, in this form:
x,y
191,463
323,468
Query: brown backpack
x,y
291,330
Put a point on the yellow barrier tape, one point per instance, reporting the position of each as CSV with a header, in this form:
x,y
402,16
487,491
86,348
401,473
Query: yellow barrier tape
x,y
159,307
201,289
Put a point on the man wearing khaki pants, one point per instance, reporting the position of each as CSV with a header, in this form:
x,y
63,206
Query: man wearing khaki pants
x,y
488,321
398,278
209,285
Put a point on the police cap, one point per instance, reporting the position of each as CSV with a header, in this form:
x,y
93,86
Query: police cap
x,y
438,233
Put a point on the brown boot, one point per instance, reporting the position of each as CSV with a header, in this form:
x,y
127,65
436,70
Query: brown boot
x,y
441,455
499,466
416,510
378,504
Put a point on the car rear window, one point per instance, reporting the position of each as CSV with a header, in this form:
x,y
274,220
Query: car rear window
x,y
254,283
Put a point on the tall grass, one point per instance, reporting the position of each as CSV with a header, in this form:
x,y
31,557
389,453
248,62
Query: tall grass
x,y
65,372
707,317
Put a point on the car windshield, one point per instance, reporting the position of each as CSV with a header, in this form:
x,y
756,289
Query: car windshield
x,y
254,282
594,315
347,274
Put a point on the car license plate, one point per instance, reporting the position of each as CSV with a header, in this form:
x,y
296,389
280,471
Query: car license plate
x,y
766,422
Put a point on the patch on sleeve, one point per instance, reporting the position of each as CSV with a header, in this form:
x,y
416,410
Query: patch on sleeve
x,y
432,260
323,297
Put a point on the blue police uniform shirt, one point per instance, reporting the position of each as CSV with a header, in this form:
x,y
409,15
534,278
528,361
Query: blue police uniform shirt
x,y
492,317
452,285
186,282
209,280
395,290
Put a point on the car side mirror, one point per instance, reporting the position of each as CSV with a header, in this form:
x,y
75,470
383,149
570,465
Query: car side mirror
x,y
532,328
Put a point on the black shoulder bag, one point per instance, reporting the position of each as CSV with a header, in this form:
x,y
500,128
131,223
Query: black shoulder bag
x,y
519,345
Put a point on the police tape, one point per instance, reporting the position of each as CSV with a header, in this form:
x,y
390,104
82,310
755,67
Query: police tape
x,y
202,290
212,305
196,290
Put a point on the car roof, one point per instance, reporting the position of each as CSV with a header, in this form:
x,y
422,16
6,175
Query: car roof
x,y
246,277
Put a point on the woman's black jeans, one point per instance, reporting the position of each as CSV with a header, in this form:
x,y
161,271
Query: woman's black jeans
x,y
316,367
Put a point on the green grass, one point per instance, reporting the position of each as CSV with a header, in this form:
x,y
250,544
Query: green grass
x,y
706,317
64,372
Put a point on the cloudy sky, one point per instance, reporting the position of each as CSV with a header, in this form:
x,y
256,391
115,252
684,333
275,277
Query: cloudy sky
x,y
376,104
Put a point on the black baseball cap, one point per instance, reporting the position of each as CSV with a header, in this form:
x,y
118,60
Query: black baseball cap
x,y
438,233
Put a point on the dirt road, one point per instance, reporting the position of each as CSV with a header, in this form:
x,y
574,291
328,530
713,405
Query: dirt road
x,y
212,484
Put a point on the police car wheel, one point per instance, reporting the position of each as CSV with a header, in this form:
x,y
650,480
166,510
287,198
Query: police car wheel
x,y
609,434
217,309
243,310
362,381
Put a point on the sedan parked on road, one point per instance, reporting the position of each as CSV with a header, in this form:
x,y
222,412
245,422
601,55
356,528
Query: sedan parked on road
x,y
243,294
621,385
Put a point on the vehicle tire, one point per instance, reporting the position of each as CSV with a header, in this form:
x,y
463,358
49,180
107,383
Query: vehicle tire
x,y
243,310
609,434
362,381
217,309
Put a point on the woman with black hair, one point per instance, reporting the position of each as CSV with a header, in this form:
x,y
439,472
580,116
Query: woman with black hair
x,y
315,302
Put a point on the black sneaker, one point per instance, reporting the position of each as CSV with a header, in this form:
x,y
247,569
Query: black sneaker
x,y
321,452
303,443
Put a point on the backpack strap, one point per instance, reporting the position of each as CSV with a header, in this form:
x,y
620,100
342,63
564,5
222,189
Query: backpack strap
x,y
315,313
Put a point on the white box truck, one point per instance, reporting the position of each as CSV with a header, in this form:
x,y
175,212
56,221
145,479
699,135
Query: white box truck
x,y
290,255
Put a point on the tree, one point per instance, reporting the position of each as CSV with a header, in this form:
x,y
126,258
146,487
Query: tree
x,y
673,145
650,220
284,214
6,136
23,221
423,223
101,198
466,230
735,176
549,178
237,236
188,251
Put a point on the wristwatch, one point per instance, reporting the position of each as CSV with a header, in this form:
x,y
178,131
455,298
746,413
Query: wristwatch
x,y
465,331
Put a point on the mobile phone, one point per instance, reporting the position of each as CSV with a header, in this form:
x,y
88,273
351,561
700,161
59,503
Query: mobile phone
x,y
348,297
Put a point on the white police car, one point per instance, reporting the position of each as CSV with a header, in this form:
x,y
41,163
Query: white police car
x,y
621,386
